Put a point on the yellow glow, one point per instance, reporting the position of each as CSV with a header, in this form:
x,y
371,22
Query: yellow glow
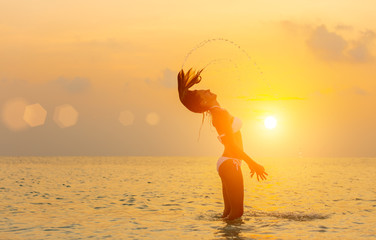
x,y
270,122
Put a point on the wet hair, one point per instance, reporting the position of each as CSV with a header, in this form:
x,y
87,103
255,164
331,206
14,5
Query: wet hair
x,y
190,99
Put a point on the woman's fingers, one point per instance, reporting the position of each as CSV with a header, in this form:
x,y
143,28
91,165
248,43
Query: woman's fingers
x,y
260,176
263,176
260,173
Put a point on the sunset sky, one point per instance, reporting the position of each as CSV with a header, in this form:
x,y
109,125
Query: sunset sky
x,y
104,75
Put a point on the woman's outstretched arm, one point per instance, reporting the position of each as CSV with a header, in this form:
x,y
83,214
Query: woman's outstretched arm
x,y
254,167
239,153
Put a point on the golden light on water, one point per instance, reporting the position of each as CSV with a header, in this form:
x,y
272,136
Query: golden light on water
x,y
270,122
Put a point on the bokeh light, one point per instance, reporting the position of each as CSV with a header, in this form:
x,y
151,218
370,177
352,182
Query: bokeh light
x,y
12,114
126,118
35,115
152,119
65,116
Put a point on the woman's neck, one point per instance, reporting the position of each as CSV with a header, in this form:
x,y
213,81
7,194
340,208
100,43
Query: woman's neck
x,y
215,108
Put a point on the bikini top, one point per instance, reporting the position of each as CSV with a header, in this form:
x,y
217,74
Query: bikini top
x,y
236,126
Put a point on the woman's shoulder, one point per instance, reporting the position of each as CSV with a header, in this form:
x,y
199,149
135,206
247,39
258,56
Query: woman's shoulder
x,y
220,113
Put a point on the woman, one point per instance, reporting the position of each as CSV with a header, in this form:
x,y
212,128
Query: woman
x,y
228,128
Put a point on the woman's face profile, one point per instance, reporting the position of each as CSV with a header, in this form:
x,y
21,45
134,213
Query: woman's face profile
x,y
208,98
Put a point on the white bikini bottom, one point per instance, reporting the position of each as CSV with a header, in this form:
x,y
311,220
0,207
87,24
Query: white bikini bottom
x,y
237,162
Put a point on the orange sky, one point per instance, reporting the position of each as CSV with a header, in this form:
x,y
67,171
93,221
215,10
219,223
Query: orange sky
x,y
317,60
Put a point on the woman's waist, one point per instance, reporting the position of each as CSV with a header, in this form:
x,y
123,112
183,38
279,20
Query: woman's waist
x,y
230,157
229,154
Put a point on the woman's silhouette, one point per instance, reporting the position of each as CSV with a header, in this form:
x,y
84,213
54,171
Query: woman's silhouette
x,y
228,128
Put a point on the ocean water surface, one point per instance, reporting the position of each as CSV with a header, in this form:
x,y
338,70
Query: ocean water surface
x,y
180,198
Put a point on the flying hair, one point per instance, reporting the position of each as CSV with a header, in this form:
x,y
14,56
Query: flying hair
x,y
187,97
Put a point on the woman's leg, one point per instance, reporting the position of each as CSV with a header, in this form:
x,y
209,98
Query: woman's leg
x,y
232,179
226,201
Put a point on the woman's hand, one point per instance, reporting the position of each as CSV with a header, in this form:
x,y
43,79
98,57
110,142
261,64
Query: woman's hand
x,y
259,170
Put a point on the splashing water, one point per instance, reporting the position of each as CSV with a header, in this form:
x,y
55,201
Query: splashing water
x,y
203,43
298,216
218,60
237,46
295,216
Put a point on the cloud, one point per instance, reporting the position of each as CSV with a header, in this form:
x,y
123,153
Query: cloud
x,y
360,53
338,44
357,91
45,92
74,86
327,45
343,27
361,50
360,91
168,80
345,92
332,46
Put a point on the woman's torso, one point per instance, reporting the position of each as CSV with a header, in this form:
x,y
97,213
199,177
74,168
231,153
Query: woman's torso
x,y
228,152
225,121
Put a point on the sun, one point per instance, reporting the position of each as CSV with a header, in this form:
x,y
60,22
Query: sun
x,y
270,122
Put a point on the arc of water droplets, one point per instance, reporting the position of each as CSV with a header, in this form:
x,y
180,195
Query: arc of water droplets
x,y
203,43
220,60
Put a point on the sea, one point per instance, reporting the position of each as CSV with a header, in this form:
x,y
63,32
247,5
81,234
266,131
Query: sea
x,y
181,198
